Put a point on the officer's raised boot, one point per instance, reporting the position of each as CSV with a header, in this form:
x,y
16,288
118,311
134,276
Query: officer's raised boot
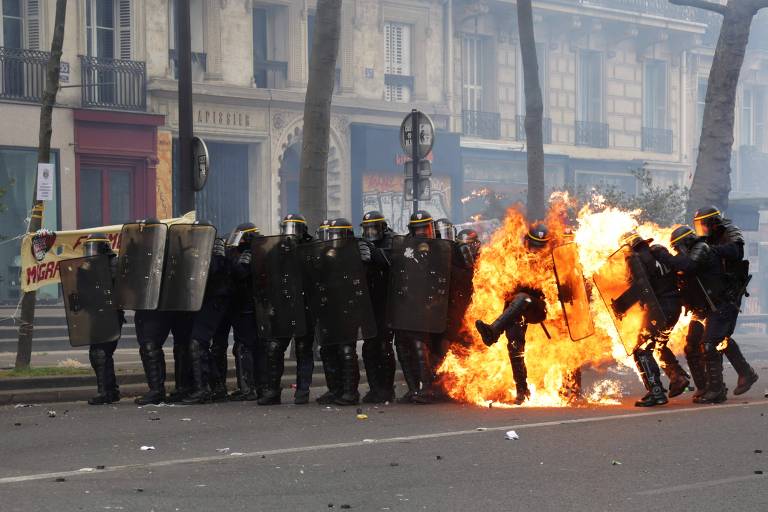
x,y
651,376
520,376
716,391
201,392
679,380
491,332
153,360
350,376
332,369
275,368
105,393
747,375
182,373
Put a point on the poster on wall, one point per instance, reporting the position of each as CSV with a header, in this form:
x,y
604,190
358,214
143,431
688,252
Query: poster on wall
x,y
384,192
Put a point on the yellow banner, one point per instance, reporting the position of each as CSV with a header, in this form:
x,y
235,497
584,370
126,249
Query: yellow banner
x,y
41,252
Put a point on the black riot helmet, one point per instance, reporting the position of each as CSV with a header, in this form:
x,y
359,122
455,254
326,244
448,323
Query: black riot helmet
x,y
293,224
707,220
633,239
682,238
537,236
444,229
470,238
374,226
340,228
421,225
97,243
148,220
243,234
322,231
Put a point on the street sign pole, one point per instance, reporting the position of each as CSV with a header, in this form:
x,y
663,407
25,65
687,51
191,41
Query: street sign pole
x,y
415,157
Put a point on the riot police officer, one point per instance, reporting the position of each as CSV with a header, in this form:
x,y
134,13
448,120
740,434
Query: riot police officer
x,y
295,226
464,260
322,230
378,354
101,355
727,241
444,229
662,281
525,305
702,282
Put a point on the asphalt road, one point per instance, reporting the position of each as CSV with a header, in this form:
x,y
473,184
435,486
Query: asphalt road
x,y
237,456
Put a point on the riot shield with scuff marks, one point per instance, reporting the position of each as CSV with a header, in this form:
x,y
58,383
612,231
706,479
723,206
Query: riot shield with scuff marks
x,y
187,262
339,299
277,287
419,284
140,265
627,293
89,304
572,291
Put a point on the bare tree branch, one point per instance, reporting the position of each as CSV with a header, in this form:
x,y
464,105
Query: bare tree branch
x,y
701,4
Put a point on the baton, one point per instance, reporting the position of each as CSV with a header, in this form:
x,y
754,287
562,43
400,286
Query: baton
x,y
706,295
544,328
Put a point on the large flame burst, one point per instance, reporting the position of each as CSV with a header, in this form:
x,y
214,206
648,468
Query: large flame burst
x,y
481,375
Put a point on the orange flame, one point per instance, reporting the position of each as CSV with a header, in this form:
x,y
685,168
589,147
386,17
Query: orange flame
x,y
482,375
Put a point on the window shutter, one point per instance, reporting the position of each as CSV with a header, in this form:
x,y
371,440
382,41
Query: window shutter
x,y
32,21
397,55
124,30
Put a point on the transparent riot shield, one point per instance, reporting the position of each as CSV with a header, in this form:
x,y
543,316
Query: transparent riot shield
x,y
187,261
339,299
629,298
277,287
419,282
89,304
140,265
572,291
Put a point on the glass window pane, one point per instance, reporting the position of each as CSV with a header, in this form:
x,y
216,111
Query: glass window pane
x,y
90,198
105,13
119,197
12,8
105,44
12,32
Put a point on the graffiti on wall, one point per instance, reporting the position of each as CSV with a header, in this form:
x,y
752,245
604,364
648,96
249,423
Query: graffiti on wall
x,y
384,192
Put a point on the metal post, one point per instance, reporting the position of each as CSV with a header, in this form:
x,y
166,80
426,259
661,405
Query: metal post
x,y
184,61
415,157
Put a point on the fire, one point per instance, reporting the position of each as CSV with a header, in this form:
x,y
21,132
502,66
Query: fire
x,y
482,375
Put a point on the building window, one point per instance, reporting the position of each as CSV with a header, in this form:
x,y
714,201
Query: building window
x,y
473,72
398,80
20,24
107,194
591,86
196,18
18,168
655,95
108,29
701,97
753,118
12,24
268,71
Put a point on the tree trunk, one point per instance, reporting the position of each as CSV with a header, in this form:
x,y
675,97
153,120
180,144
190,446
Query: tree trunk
x,y
317,112
534,112
712,179
24,348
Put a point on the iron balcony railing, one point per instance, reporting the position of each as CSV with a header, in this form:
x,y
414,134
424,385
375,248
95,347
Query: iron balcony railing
x,y
270,74
654,7
658,140
486,125
199,59
591,134
22,74
113,83
546,127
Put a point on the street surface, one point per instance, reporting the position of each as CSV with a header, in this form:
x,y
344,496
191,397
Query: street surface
x,y
446,457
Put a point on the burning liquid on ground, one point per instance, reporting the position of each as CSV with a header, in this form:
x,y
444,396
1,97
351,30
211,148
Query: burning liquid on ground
x,y
483,376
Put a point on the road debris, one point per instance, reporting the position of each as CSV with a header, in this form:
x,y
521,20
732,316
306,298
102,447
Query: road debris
x,y
362,416
86,470
146,448
51,413
185,419
222,450
511,435
615,463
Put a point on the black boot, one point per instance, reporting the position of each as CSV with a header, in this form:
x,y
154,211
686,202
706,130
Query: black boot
x,y
98,358
246,383
651,376
423,359
716,391
405,356
520,375
182,373
350,375
387,370
199,362
329,355
110,379
678,379
153,360
371,362
514,311
698,372
747,375
305,367
275,366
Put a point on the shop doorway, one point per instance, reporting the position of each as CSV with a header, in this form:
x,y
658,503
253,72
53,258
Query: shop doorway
x,y
107,195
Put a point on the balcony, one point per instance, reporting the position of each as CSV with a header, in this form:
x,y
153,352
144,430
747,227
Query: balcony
x,y
657,140
22,74
270,74
546,129
486,125
199,63
653,7
399,80
591,134
113,83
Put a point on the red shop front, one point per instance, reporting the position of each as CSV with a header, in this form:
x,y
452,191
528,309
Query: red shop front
x,y
116,161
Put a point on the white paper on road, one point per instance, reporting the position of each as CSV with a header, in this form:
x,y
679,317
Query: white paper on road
x,y
145,448
511,435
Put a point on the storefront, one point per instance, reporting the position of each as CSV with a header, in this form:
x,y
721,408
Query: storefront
x,y
378,176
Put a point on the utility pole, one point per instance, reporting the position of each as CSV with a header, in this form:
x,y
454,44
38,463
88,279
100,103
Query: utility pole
x,y
184,62
415,157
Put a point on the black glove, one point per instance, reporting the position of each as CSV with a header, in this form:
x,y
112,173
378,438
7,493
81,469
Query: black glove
x,y
219,248
245,258
365,251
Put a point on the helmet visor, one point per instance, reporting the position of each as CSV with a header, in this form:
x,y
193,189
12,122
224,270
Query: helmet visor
x,y
701,226
292,228
425,230
446,232
372,232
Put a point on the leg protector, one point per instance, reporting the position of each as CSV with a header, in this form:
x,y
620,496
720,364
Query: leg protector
x,y
153,360
512,314
245,377
372,362
678,379
694,357
350,375
329,354
98,359
199,364
747,375
305,362
423,360
405,356
182,371
651,376
713,364
275,353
